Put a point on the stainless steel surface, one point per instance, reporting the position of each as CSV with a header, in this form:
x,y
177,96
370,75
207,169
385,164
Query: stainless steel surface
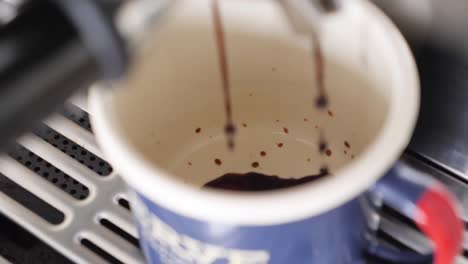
x,y
413,17
441,23
441,134
406,235
64,170
411,238
399,229
458,187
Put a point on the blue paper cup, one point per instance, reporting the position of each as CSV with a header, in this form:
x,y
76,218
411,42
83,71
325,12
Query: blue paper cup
x,y
163,131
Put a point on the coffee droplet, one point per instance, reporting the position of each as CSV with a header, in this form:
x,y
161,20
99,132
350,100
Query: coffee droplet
x,y
218,162
263,153
321,102
255,164
230,131
346,143
231,144
324,170
322,146
198,130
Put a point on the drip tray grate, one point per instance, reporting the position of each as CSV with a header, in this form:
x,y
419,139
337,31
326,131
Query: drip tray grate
x,y
56,184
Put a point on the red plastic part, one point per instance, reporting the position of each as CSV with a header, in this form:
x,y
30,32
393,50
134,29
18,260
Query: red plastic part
x,y
438,218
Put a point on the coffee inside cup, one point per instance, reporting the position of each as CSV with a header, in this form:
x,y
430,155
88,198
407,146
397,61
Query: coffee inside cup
x,y
174,108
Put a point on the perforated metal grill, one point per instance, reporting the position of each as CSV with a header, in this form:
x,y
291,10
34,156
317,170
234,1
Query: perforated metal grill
x,y
30,201
57,176
77,115
48,171
74,150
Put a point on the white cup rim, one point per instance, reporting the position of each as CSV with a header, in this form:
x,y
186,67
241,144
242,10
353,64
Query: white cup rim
x,y
275,207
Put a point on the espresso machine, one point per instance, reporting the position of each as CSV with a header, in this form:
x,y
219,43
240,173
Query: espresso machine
x,y
53,50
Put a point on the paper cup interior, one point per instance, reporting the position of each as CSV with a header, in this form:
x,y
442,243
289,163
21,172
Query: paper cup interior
x,y
172,107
